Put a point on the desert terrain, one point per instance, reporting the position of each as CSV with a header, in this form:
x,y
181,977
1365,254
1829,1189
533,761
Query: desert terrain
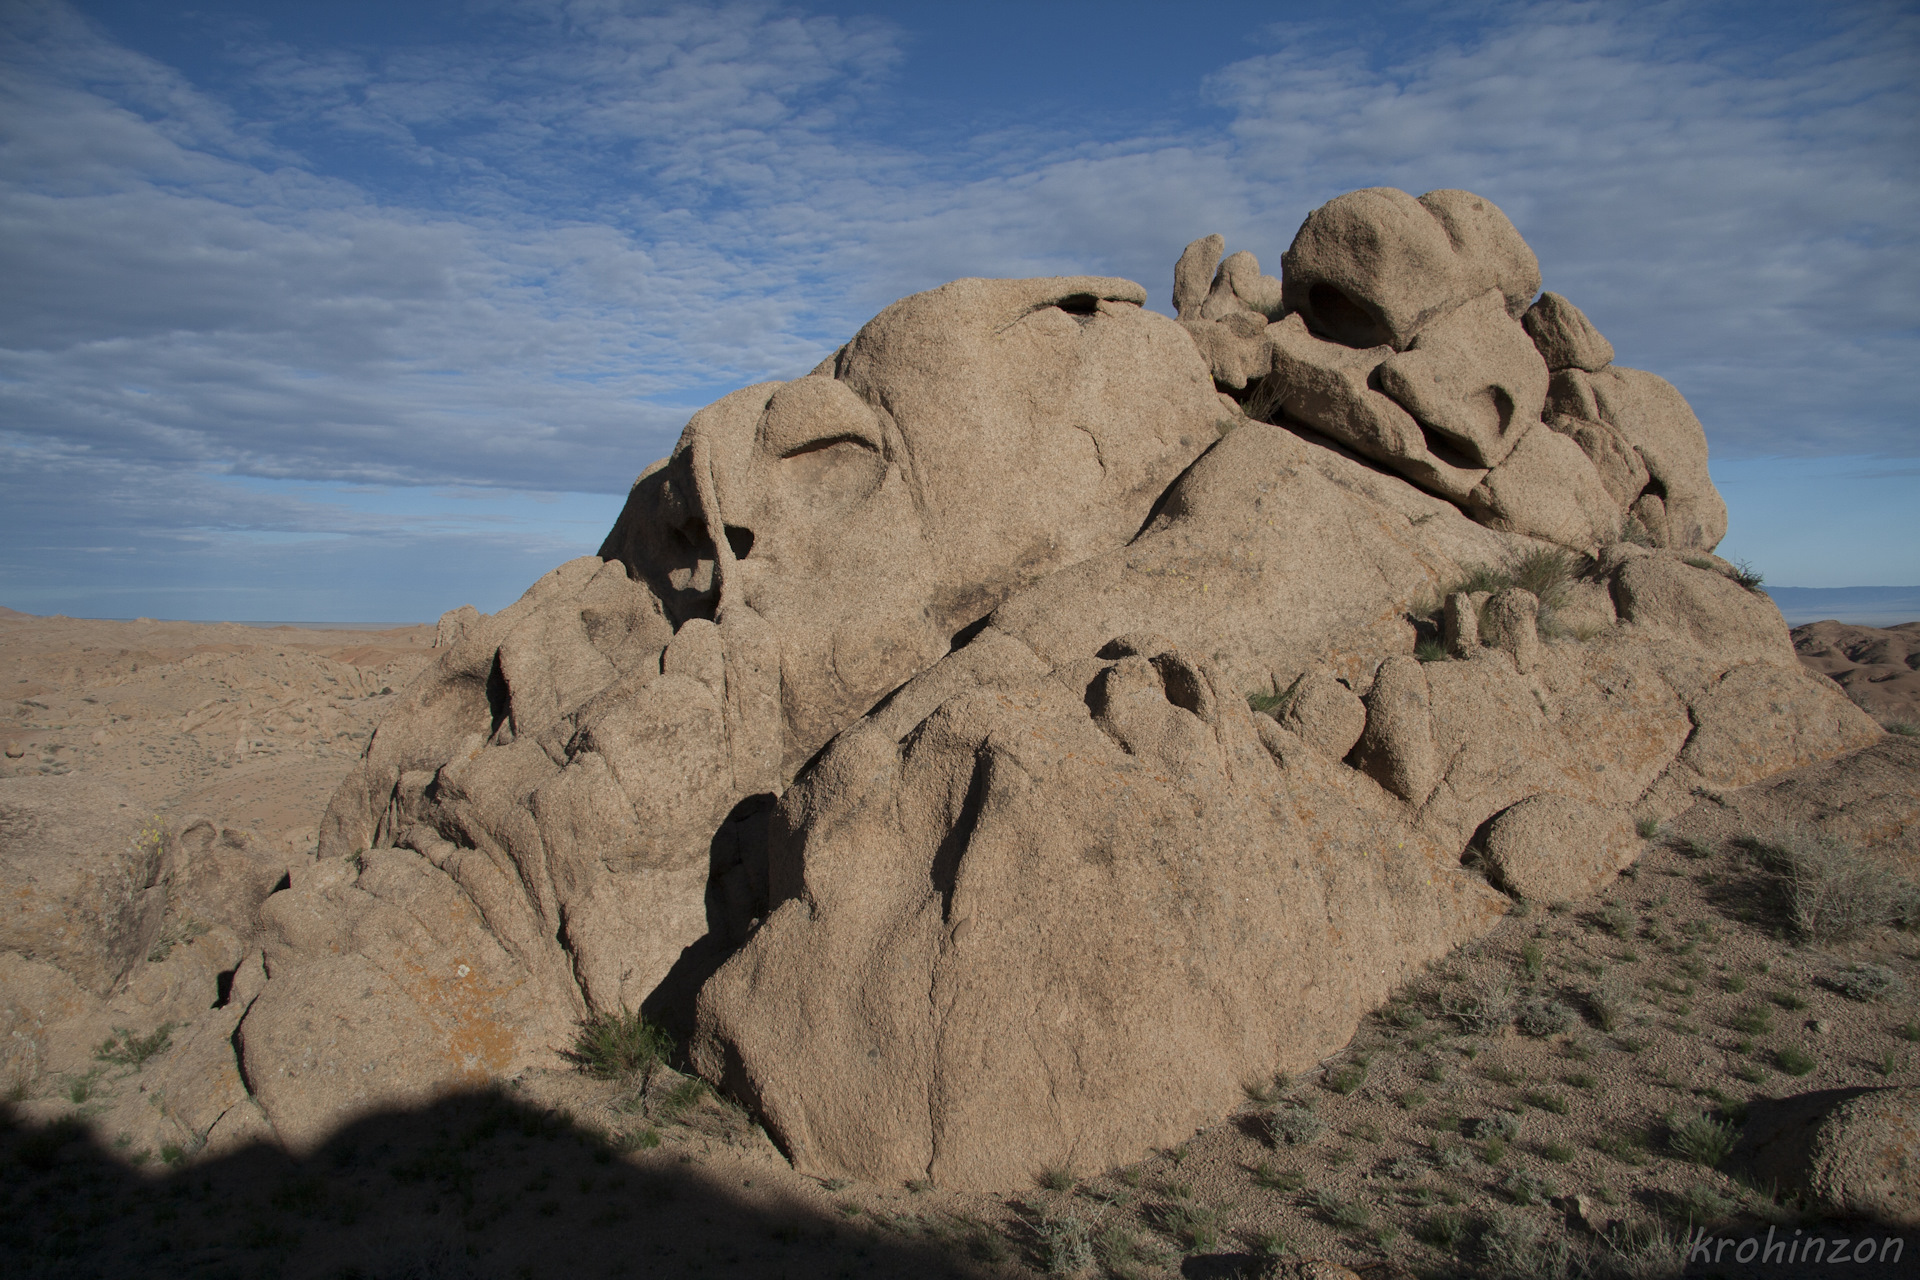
x,y
1446,1139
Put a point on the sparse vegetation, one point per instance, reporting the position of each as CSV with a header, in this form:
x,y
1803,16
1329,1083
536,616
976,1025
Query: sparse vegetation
x,y
1701,1138
1864,982
620,1046
1539,1016
1828,890
1292,1126
1794,1061
125,1049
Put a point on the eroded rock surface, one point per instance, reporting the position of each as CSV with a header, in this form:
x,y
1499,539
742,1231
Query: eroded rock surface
x,y
897,743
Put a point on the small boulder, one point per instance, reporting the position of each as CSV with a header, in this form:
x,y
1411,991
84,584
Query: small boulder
x,y
1548,848
1473,377
1510,621
1396,749
1565,337
1460,626
1547,488
1193,275
1325,714
1854,1152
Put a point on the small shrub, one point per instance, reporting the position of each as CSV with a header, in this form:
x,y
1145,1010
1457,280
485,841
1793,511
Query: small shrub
x,y
1909,1032
1411,1100
1444,1229
1617,920
1543,1017
1751,1072
1493,1150
175,932
1580,1080
1905,728
1864,982
1348,1215
1699,1203
1430,651
1558,1152
1829,890
1481,1004
125,1049
1533,960
1064,1245
1701,1139
1292,1126
1056,1179
1500,1124
1753,1021
619,1046
1647,828
1195,1226
1289,1180
1343,1080
1526,1188
1733,984
1547,1101
1747,576
1607,1004
1794,1061
1451,1154
1789,1000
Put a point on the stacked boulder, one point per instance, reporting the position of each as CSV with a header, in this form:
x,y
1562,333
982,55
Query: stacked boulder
x,y
1409,331
898,744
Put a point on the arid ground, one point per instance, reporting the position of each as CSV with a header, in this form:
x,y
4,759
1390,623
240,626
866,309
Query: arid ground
x,y
1559,1098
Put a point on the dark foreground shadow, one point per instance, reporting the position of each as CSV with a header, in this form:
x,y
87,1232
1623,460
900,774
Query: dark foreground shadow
x,y
480,1186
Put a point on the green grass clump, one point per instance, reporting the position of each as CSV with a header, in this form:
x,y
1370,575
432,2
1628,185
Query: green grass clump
x,y
1345,1079
125,1049
618,1046
1547,1101
1752,1021
1794,1061
1272,1179
1056,1178
1701,1139
1348,1215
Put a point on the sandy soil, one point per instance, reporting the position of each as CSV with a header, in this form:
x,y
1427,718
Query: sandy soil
x,y
1433,1145
252,727
1879,667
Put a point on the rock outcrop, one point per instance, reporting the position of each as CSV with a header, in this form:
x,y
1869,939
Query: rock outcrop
x,y
900,743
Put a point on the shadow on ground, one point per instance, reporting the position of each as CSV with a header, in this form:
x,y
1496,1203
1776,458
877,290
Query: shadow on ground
x,y
476,1186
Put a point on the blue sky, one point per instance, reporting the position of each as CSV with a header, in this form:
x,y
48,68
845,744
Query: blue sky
x,y
364,311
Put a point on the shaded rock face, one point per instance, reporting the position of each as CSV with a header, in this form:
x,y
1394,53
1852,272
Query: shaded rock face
x,y
898,740
1853,1152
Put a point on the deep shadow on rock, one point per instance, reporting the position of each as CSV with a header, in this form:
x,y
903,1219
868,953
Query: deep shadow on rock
x,y
482,1185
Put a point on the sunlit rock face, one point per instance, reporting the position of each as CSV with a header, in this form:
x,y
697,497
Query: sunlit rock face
x,y
897,744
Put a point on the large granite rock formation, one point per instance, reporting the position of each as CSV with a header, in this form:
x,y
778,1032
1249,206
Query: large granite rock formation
x,y
899,740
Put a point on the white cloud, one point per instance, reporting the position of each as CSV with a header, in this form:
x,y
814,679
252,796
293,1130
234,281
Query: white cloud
x,y
520,256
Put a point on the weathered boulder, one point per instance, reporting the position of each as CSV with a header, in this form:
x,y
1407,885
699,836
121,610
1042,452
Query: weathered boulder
x,y
1373,267
82,874
1565,337
1112,881
1854,1152
1325,713
222,876
1551,848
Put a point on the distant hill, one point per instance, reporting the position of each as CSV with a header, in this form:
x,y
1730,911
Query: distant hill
x,y
1861,606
